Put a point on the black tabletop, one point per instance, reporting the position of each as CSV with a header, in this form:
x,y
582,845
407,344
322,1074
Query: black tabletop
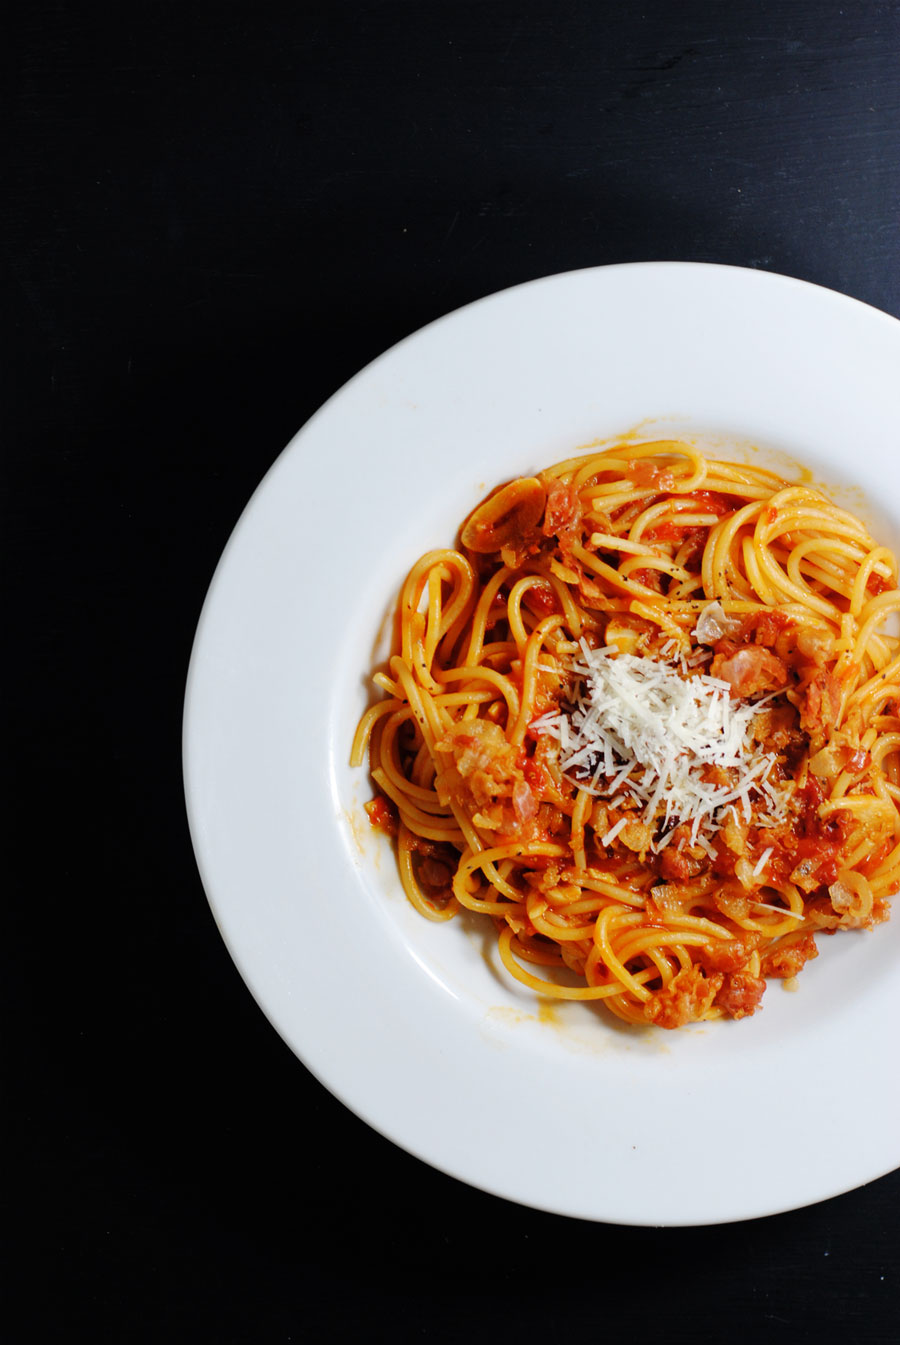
x,y
214,215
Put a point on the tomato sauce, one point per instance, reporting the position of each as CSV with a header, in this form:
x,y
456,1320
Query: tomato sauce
x,y
382,814
541,600
706,501
877,585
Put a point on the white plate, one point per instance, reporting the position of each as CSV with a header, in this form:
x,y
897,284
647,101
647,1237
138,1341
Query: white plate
x,y
412,1025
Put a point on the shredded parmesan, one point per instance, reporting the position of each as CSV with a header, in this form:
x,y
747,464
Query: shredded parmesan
x,y
638,728
779,910
614,831
762,862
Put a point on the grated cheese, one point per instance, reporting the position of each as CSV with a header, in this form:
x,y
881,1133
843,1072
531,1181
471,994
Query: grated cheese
x,y
639,729
779,910
614,831
762,861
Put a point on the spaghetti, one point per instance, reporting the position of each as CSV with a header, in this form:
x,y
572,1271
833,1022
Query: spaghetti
x,y
646,718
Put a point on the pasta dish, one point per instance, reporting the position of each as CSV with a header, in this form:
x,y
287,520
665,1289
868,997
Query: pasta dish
x,y
645,717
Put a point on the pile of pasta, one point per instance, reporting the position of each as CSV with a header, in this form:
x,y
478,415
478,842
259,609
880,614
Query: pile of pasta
x,y
514,791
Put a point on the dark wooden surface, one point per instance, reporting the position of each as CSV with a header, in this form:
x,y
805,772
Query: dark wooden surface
x,y
212,216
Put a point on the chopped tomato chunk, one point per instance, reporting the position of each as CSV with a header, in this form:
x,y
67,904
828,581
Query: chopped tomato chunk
x,y
749,669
